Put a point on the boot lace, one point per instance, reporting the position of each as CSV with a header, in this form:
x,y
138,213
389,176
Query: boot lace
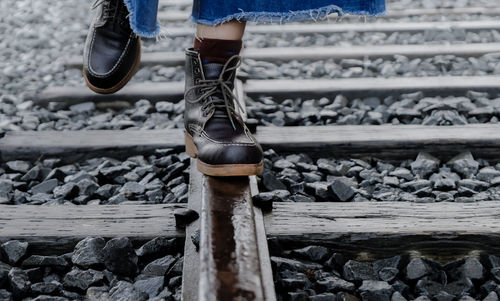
x,y
213,88
113,10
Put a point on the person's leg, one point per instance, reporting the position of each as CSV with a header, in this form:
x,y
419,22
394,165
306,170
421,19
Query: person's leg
x,y
232,30
215,132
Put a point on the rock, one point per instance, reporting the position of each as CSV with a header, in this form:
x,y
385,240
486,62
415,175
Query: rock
x,y
422,298
443,296
32,174
157,247
492,296
342,296
120,257
176,269
125,291
396,296
45,288
472,269
46,261
271,182
97,293
372,290
184,217
87,187
282,164
81,280
5,295
19,166
264,200
428,287
424,165
298,296
445,179
84,107
416,185
322,297
358,271
312,253
45,187
388,274
19,283
4,272
460,287
418,268
293,265
151,286
392,262
341,190
66,191
320,190
464,164
160,266
474,185
50,298
14,250
89,252
334,284
487,174
488,287
402,173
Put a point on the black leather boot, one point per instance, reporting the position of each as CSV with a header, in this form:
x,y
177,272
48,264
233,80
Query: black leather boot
x,y
215,131
112,51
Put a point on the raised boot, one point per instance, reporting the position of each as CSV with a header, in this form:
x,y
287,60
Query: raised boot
x,y
112,51
215,132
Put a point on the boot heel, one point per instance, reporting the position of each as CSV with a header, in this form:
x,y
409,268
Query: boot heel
x,y
190,147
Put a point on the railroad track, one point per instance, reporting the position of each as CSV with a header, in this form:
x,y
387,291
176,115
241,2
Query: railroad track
x,y
241,238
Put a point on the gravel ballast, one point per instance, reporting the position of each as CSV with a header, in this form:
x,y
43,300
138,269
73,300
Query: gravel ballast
x,y
319,273
95,270
425,179
414,108
155,179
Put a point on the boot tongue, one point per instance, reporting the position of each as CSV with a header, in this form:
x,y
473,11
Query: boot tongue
x,y
212,70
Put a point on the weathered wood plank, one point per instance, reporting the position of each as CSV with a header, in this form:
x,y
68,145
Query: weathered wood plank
x,y
230,266
274,54
59,228
382,141
167,91
364,87
381,228
191,269
77,145
286,88
387,27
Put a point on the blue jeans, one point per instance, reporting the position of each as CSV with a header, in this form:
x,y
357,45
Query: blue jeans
x,y
143,13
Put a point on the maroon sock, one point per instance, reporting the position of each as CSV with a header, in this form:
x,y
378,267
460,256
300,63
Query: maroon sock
x,y
215,50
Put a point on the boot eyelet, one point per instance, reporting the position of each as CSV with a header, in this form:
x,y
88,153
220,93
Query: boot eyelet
x,y
197,70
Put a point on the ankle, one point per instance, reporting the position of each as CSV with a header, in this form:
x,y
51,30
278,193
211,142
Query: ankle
x,y
216,50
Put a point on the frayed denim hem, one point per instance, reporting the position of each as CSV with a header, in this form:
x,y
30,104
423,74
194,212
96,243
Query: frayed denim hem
x,y
146,33
286,17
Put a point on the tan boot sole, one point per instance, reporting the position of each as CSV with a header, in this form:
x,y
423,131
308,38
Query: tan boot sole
x,y
123,82
222,170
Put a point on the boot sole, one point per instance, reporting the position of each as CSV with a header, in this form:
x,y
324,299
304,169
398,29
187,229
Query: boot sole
x,y
222,170
123,82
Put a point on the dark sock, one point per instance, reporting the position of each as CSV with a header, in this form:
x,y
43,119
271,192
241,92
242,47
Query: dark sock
x,y
215,50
